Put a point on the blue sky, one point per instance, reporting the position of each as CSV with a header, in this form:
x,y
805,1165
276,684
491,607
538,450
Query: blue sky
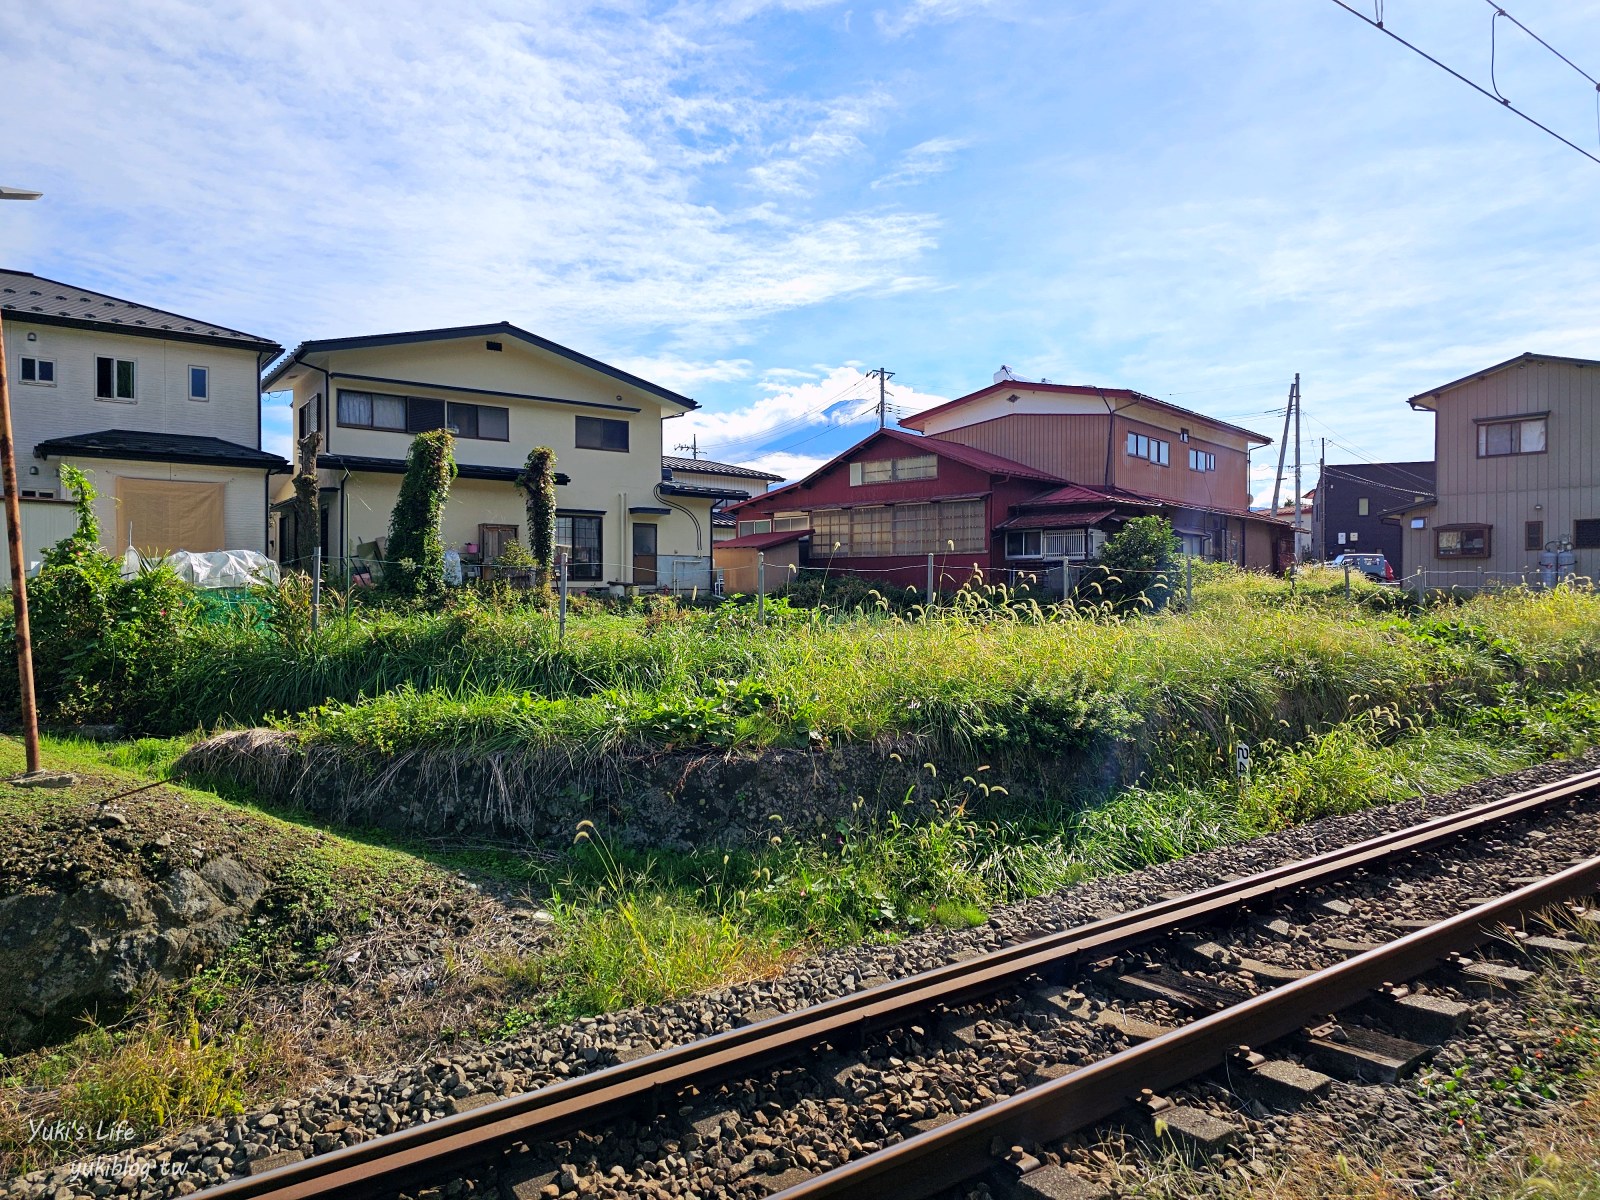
x,y
753,201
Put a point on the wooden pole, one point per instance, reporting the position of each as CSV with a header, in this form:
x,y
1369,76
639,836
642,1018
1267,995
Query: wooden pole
x,y
19,579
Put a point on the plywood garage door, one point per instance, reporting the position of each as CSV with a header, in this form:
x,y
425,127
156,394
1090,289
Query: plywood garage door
x,y
168,515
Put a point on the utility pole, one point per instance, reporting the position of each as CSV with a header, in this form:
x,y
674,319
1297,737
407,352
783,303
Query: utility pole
x,y
1296,403
1283,450
693,446
884,375
1319,507
19,579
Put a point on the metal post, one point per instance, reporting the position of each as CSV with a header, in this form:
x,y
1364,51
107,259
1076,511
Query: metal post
x,y
19,580
761,585
316,588
1299,557
1188,583
930,595
1347,579
1066,578
561,602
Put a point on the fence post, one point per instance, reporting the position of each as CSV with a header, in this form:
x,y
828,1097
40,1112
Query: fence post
x,y
761,586
1421,586
1347,580
1188,583
561,602
930,580
316,588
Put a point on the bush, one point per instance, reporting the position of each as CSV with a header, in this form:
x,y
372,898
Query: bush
x,y
1137,569
416,549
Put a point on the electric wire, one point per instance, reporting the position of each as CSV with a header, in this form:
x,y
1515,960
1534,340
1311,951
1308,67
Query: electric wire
x,y
1477,87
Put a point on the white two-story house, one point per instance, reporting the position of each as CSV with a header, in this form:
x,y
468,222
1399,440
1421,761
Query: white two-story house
x,y
502,391
163,411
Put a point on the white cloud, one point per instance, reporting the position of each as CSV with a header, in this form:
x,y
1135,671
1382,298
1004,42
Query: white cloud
x,y
799,410
925,12
685,375
790,466
921,162
407,166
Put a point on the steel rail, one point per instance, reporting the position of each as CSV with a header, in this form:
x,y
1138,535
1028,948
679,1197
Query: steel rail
x,y
381,1166
933,1162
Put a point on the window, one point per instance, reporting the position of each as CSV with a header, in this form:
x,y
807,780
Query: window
x,y
415,414
199,383
1524,435
306,417
1364,507
788,521
580,538
1069,543
961,527
114,379
602,433
39,370
1153,449
1355,536
1202,460
1533,535
916,527
746,528
830,531
1024,543
1462,541
871,531
1586,534
894,470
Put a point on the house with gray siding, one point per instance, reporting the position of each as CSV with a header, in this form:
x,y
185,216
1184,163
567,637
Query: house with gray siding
x,y
1517,469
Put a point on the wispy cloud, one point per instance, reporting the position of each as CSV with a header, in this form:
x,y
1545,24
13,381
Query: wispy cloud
x,y
899,22
922,162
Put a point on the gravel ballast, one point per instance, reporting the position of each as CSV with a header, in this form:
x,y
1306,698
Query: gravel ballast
x,y
805,1118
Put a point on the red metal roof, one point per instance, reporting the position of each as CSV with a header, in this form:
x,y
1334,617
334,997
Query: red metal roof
x,y
762,541
1078,493
1073,389
1057,520
980,460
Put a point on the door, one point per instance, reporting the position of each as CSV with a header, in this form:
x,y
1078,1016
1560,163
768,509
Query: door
x,y
493,539
644,555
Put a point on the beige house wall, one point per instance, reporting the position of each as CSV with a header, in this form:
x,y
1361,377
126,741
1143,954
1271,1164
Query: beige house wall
x,y
602,482
1557,487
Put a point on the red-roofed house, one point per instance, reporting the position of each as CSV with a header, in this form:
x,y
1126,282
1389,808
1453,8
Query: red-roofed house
x,y
1016,477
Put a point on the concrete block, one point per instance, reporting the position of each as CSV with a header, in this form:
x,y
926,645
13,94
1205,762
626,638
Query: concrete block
x,y
1489,978
1133,1028
1197,1128
1056,1183
1281,1084
1428,1018
272,1162
461,1104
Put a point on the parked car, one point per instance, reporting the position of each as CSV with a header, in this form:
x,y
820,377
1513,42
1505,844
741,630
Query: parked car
x,y
1373,566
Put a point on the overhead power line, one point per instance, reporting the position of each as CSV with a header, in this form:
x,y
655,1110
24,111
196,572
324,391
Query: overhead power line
x,y
1498,99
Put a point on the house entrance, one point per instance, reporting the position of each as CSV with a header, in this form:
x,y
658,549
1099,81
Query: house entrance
x,y
644,555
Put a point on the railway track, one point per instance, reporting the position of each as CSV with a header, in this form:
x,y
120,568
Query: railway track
x,y
1190,983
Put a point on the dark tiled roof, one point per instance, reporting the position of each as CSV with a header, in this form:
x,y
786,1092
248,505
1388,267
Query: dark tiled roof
x,y
397,466
704,466
26,297
701,492
1058,520
495,331
160,447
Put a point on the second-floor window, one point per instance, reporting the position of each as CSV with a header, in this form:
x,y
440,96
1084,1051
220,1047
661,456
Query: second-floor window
x,y
39,370
114,379
417,414
199,383
1153,449
894,470
601,433
1202,460
1523,435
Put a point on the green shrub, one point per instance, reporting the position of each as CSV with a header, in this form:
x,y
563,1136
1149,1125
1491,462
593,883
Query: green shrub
x,y
1138,568
416,549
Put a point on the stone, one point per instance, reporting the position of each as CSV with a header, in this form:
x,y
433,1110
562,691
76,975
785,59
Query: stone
x,y
44,779
461,1104
272,1162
